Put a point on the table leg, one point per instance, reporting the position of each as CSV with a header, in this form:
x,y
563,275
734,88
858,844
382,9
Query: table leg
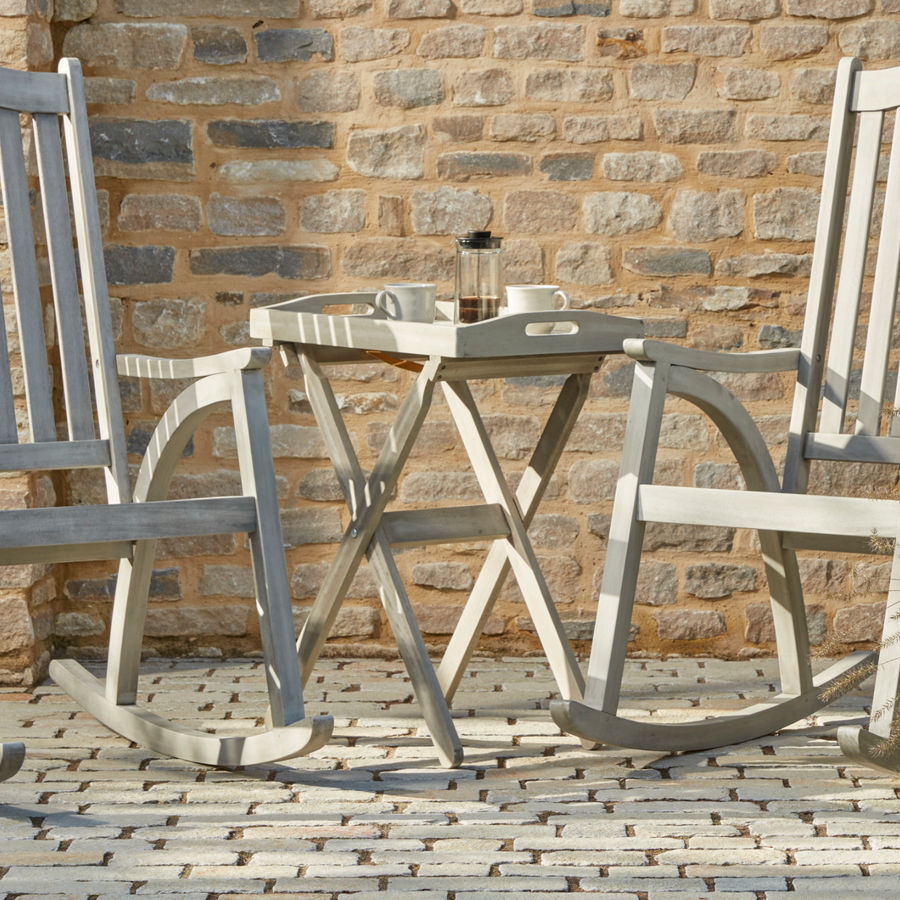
x,y
517,547
496,567
367,500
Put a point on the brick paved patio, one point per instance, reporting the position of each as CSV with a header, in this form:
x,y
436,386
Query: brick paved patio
x,y
530,814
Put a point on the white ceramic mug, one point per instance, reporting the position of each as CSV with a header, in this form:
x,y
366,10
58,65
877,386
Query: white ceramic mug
x,y
533,298
407,302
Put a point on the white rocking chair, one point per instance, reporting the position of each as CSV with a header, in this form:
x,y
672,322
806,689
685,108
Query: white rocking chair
x,y
128,526
786,517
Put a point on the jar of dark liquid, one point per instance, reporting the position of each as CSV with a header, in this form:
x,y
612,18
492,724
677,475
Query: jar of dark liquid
x,y
478,277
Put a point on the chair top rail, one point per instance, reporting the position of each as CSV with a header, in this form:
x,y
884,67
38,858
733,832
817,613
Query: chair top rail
x,y
875,90
26,283
70,333
34,92
853,270
884,301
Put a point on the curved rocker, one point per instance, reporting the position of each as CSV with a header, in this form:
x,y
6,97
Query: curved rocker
x,y
11,758
755,721
867,749
159,734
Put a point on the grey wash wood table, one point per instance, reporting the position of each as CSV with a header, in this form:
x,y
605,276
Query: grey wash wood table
x,y
572,343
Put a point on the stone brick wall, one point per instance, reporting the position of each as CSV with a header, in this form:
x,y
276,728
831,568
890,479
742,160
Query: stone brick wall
x,y
659,158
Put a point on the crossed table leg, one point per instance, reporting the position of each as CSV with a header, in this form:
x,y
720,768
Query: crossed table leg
x,y
504,518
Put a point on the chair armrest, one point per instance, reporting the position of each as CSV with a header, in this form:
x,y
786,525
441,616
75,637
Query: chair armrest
x,y
138,366
705,360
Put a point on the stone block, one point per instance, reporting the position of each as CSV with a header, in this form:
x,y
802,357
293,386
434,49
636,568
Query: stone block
x,y
759,265
666,262
227,581
409,88
771,337
431,487
402,259
717,337
457,129
449,210
169,324
523,262
707,215
715,580
522,127
270,134
563,577
320,484
338,9
288,441
540,212
109,90
293,44
69,10
584,262
363,44
140,435
276,171
452,42
388,153
839,479
435,619
238,216
218,45
304,261
613,213
567,166
823,576
552,530
787,128
781,42
695,126
562,42
656,9
593,480
645,165
76,624
556,8
215,91
255,9
661,82
829,9
594,129
862,622
689,624
718,476
190,621
390,215
786,214
490,87
445,576
512,437
569,85
761,626
333,212
135,148
139,265
491,7
17,631
351,621
419,9
747,84
871,40
747,10
127,46
814,85
706,40
576,628
736,163
324,91
160,212
310,526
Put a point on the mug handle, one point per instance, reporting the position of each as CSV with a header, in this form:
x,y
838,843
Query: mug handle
x,y
379,302
565,299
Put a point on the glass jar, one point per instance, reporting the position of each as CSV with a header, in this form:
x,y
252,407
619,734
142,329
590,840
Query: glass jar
x,y
478,277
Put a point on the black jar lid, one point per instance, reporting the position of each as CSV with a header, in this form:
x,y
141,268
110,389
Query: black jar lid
x,y
479,240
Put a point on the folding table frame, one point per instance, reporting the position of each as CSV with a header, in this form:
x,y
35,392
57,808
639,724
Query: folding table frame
x,y
452,355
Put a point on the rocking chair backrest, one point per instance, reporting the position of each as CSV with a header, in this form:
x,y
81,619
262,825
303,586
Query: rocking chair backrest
x,y
49,98
860,98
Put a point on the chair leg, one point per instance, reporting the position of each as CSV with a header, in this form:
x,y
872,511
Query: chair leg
x,y
879,747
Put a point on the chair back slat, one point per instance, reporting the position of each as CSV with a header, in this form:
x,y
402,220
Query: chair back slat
x,y
93,282
26,285
63,275
884,302
853,270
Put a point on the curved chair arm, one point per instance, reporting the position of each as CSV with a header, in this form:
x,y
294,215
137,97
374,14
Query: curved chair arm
x,y
756,361
138,366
